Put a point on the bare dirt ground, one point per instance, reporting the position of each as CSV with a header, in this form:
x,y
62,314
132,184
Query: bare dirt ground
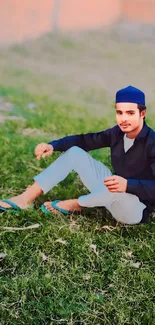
x,y
5,109
84,69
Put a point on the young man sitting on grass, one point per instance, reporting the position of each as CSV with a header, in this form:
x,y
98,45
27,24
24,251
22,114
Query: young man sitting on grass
x,y
129,194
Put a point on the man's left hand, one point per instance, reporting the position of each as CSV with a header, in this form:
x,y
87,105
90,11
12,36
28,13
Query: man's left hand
x,y
116,183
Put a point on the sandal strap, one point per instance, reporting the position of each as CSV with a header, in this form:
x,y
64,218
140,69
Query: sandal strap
x,y
13,205
54,205
43,208
3,209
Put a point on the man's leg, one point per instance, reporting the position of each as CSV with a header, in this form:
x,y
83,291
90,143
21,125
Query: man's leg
x,y
91,172
26,198
124,207
127,208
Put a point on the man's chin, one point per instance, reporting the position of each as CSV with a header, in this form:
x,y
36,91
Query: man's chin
x,y
126,128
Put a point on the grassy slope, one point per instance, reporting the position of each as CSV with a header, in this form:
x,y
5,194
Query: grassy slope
x,y
83,69
43,281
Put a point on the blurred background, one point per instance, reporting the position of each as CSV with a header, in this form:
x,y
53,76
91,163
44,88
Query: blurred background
x,y
78,52
61,63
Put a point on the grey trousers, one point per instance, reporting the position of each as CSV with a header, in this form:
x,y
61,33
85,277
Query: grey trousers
x,y
124,207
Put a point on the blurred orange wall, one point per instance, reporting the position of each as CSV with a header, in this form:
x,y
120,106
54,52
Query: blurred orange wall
x,y
24,19
139,10
76,14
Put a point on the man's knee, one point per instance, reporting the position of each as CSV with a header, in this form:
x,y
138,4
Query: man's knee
x,y
77,157
76,151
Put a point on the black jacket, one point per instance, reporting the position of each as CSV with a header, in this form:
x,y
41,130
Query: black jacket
x,y
137,165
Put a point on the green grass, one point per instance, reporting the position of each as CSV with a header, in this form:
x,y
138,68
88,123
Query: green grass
x,y
45,281
65,84
82,69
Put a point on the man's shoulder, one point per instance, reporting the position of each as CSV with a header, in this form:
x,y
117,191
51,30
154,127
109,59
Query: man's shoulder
x,y
151,134
115,130
115,134
150,139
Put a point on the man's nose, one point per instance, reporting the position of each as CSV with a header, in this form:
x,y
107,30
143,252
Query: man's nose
x,y
124,121
124,118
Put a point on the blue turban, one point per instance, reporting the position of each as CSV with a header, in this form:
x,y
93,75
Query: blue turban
x,y
130,94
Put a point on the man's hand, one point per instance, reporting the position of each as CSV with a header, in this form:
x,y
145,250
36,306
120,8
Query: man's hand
x,y
116,183
43,150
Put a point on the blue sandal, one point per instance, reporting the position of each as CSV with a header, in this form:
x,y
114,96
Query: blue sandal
x,y
13,205
54,205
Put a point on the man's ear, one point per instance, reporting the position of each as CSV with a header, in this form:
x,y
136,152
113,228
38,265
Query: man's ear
x,y
143,113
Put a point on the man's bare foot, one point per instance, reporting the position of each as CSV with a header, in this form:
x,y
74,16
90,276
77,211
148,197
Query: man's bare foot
x,y
25,199
69,205
18,200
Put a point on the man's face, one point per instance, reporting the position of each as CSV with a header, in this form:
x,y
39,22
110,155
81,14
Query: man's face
x,y
128,117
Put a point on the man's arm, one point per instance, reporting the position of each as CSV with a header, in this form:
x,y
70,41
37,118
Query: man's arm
x,y
89,141
144,189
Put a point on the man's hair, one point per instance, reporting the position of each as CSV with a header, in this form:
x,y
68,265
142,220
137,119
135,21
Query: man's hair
x,y
141,108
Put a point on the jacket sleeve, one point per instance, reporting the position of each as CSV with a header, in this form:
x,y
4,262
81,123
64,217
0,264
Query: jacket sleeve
x,y
89,141
144,189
